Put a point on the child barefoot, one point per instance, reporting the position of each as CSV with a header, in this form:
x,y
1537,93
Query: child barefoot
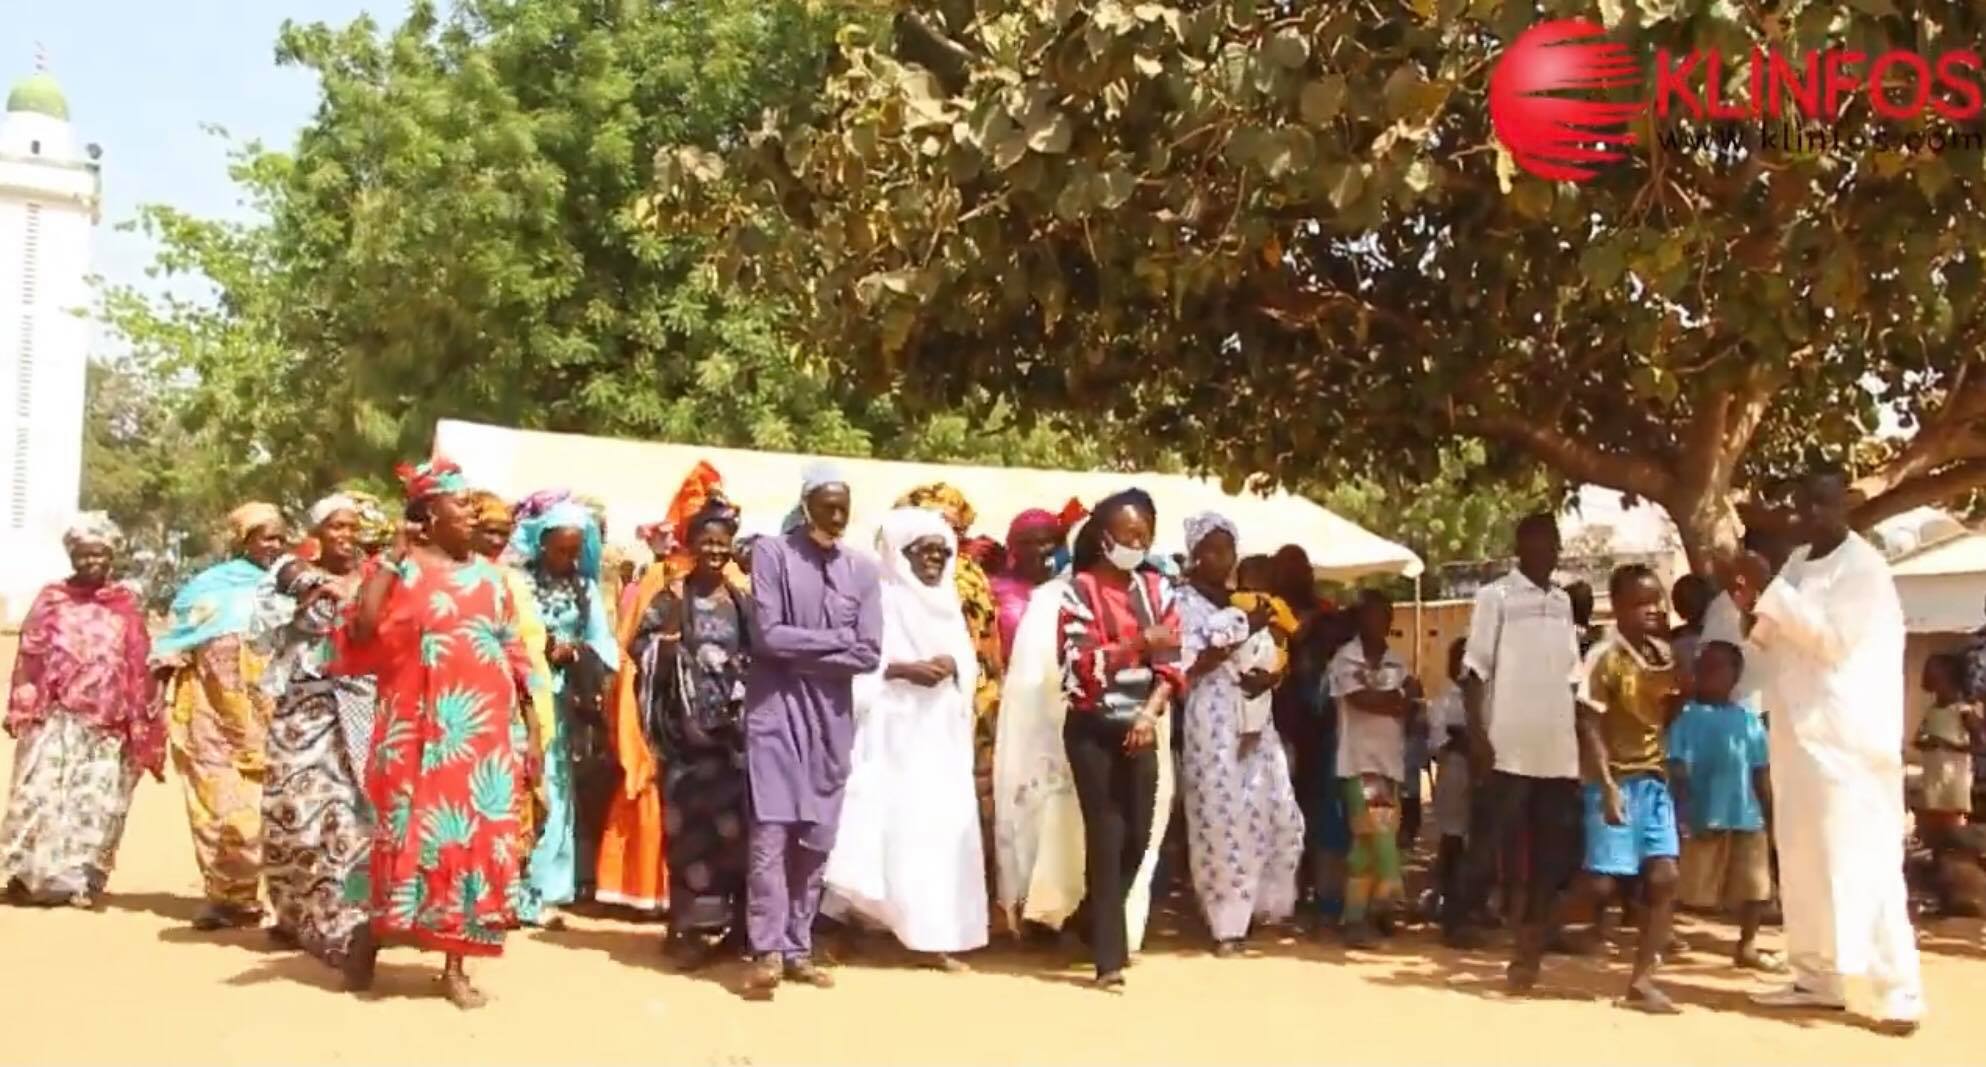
x,y
1630,690
1717,769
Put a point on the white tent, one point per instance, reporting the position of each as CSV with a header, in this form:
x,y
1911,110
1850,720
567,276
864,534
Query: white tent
x,y
637,479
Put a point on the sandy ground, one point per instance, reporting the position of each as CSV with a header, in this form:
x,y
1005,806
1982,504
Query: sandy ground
x,y
132,983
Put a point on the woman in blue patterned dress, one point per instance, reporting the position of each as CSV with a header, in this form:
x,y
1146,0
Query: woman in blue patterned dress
x,y
557,541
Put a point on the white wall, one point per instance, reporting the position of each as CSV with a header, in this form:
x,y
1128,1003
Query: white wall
x,y
45,234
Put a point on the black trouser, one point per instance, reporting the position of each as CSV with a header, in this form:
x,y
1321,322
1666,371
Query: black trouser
x,y
1118,792
1507,808
595,777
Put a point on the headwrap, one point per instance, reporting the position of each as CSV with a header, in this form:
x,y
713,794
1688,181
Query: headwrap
x,y
921,621
1206,522
1034,518
329,506
433,478
487,507
794,520
819,475
595,505
92,528
527,540
701,488
375,526
217,602
249,518
945,498
540,502
1073,512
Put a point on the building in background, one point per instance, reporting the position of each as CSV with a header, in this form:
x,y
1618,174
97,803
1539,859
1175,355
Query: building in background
x,y
50,194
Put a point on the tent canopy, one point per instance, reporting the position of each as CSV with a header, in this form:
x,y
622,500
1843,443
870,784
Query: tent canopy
x,y
637,479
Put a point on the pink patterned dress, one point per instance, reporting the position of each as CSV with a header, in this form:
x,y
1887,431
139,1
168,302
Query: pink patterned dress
x,y
81,713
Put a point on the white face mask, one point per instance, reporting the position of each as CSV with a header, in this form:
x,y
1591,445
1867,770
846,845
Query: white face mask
x,y
1123,557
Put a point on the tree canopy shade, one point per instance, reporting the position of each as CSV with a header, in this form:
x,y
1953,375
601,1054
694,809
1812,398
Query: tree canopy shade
x,y
1280,237
458,232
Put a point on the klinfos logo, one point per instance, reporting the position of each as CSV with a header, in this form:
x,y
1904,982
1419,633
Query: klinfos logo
x,y
1782,101
1562,138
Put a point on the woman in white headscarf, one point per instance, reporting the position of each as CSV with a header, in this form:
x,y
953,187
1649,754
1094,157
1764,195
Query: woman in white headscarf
x,y
314,827
908,856
1243,826
81,714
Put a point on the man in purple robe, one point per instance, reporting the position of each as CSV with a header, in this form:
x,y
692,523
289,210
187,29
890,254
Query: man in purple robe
x,y
818,624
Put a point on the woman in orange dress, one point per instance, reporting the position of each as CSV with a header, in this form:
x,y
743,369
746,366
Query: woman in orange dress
x,y
633,869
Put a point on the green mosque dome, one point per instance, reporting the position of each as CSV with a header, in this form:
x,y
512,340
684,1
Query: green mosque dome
x,y
39,94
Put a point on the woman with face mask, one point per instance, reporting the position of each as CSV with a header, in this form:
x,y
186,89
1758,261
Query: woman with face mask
x,y
908,857
218,715
1120,658
81,715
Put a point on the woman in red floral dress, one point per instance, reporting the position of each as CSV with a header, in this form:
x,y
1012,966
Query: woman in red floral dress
x,y
435,626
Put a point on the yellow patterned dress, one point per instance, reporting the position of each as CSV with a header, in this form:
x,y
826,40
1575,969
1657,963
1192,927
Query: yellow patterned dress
x,y
217,721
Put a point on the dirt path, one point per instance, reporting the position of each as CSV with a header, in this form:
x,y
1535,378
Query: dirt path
x,y
131,983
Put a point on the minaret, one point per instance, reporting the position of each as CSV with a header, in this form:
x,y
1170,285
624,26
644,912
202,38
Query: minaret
x,y
50,194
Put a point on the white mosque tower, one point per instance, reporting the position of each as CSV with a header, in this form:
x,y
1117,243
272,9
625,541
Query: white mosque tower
x,y
50,191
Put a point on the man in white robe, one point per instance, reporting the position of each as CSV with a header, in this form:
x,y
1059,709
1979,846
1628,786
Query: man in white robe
x,y
1831,629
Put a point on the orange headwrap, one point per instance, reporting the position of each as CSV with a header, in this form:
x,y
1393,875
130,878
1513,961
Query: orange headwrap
x,y
702,485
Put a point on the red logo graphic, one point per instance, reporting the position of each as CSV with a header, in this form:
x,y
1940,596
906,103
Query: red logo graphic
x,y
1562,137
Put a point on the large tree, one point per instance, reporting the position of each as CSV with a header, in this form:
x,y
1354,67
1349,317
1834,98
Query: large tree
x,y
1281,237
459,231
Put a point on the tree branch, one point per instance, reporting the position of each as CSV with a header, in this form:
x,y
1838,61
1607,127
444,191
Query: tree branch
x,y
926,45
1947,435
1578,461
1925,491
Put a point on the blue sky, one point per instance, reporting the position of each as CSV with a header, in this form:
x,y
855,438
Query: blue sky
x,y
143,76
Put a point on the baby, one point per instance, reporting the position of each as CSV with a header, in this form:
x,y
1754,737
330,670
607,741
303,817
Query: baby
x,y
1270,625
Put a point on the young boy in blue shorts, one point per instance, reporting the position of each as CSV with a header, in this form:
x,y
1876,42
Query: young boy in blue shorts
x,y
1630,690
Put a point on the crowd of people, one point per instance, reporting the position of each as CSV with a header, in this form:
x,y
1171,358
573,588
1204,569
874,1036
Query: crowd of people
x,y
429,729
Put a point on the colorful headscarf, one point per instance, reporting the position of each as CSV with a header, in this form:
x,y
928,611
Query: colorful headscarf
x,y
250,517
329,506
528,539
433,478
487,507
375,526
218,602
944,498
701,487
92,528
1206,522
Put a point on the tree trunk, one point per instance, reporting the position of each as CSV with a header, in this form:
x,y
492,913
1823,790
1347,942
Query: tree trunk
x,y
1709,525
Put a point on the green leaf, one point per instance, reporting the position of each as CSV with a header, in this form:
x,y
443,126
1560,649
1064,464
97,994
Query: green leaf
x,y
1288,48
1050,132
1322,100
1603,264
1345,181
